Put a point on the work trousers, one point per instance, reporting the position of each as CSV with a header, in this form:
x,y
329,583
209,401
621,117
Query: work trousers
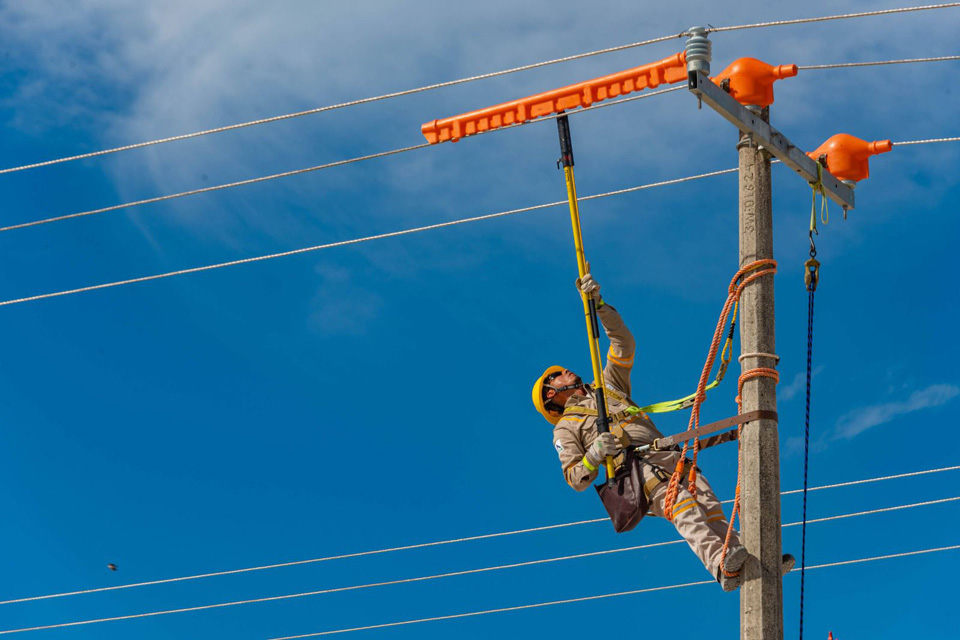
x,y
699,520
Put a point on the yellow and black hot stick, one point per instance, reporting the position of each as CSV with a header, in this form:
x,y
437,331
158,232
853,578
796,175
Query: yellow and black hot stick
x,y
589,306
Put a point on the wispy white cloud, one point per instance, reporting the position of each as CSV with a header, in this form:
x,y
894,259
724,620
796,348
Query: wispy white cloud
x,y
124,72
855,422
797,385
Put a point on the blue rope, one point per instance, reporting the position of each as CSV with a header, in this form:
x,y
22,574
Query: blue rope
x,y
812,281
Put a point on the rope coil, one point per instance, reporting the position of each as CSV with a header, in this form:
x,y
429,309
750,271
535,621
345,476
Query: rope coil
x,y
758,354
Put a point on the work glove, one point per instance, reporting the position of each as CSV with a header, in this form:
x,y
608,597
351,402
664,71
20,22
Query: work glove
x,y
605,445
589,286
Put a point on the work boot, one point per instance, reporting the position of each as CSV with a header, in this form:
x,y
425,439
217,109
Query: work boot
x,y
729,574
735,558
728,583
730,580
786,564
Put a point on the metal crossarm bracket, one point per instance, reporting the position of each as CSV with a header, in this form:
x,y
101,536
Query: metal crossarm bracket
x,y
768,137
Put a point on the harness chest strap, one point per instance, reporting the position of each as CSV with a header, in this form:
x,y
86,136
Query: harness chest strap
x,y
631,409
630,414
584,412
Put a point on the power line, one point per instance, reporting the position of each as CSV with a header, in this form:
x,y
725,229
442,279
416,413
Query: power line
x,y
383,236
599,597
928,503
451,83
878,63
287,174
343,243
930,141
218,187
844,16
450,574
899,476
382,154
486,536
341,105
340,589
330,165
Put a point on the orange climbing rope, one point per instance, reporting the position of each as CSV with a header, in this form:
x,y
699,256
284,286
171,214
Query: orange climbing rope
x,y
759,372
740,281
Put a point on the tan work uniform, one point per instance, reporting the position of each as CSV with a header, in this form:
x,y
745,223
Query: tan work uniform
x,y
700,521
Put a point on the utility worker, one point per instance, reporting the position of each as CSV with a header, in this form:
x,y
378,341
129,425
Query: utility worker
x,y
570,405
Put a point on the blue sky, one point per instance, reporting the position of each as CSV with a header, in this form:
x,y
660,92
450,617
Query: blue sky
x,y
378,395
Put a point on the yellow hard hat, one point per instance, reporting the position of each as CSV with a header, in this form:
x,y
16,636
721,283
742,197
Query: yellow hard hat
x,y
552,417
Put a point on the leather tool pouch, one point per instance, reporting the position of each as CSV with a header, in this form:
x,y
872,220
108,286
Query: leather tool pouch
x,y
624,498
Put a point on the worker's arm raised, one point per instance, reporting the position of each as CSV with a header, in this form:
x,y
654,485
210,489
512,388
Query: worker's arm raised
x,y
622,345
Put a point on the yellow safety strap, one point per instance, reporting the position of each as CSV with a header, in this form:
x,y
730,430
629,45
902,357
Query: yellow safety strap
x,y
687,401
811,268
824,210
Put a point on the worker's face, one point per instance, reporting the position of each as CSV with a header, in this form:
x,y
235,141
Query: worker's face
x,y
563,379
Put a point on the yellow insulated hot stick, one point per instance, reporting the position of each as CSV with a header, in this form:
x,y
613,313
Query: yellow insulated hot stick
x,y
589,306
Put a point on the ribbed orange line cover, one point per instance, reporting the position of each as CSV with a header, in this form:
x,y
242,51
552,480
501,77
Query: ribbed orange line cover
x,y
583,94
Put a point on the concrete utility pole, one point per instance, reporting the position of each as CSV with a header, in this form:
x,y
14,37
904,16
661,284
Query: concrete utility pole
x,y
748,81
761,596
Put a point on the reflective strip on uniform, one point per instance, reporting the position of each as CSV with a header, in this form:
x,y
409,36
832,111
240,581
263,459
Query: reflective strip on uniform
x,y
715,515
587,464
623,362
686,505
615,394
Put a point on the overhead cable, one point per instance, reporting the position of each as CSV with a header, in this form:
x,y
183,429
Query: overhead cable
x,y
930,141
451,83
843,16
296,172
218,187
392,234
486,536
341,105
382,154
599,597
450,574
852,483
877,63
343,243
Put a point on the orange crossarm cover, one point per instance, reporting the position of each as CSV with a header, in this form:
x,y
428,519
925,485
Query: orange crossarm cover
x,y
583,94
848,158
751,80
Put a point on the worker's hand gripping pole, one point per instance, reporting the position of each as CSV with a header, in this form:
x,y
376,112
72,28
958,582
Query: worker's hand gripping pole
x,y
589,306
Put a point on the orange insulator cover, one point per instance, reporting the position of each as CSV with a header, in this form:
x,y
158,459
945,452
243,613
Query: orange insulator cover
x,y
751,80
848,158
582,94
